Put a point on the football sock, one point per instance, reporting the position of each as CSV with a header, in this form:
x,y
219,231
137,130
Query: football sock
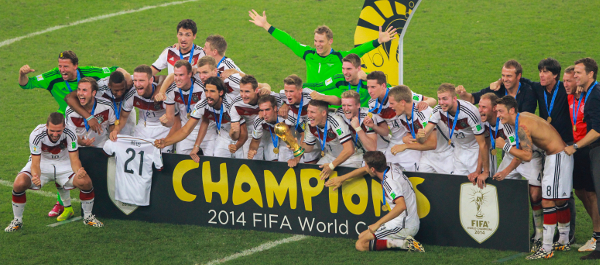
x,y
18,204
563,217
397,243
87,201
377,245
65,196
538,219
58,199
549,227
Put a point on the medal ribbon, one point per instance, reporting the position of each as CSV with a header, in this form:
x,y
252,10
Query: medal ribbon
x,y
517,130
188,105
380,105
357,86
191,59
356,134
549,110
220,118
87,127
117,112
299,111
506,91
147,112
588,92
218,73
383,179
78,78
493,138
324,141
275,138
411,125
576,110
454,123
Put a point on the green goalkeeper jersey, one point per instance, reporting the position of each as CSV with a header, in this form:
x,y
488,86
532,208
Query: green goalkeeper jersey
x,y
319,68
56,85
336,85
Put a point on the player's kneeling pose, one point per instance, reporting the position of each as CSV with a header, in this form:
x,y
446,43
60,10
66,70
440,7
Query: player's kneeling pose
x,y
397,228
54,157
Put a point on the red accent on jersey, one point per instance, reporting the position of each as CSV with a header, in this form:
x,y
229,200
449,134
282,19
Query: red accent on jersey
x,y
244,111
415,123
460,124
55,149
101,117
173,57
144,105
295,109
387,113
228,87
211,116
330,134
196,96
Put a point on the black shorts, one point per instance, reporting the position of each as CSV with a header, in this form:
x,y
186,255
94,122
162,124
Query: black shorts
x,y
582,171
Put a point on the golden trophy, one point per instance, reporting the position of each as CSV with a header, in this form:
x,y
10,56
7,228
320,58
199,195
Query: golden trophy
x,y
283,131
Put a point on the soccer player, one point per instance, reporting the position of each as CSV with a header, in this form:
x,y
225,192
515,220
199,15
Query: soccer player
x,y
407,122
557,176
185,92
100,109
322,62
586,70
582,172
463,123
351,80
151,110
334,137
216,106
61,81
54,157
510,85
396,229
184,50
246,106
269,146
296,101
364,138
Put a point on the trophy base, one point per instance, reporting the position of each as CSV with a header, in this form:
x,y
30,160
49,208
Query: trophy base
x,y
299,152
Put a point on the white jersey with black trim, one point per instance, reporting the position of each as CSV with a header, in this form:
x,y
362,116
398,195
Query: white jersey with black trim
x,y
227,64
103,112
294,108
396,185
170,56
150,110
248,112
467,126
337,134
134,159
180,98
40,144
362,113
204,111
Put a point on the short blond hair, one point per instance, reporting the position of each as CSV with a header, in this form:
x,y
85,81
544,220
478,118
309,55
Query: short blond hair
x,y
401,92
570,69
207,60
293,80
324,30
352,94
447,87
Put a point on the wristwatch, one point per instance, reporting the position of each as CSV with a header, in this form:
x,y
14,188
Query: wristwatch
x,y
575,146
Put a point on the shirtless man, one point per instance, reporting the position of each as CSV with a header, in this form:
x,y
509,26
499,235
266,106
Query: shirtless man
x,y
557,178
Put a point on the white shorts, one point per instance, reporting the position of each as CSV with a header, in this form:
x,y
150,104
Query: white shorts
x,y
221,147
465,161
531,171
408,159
284,155
354,161
186,145
153,132
58,171
437,162
557,181
393,230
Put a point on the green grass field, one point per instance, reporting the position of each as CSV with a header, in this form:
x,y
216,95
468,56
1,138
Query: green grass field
x,y
461,42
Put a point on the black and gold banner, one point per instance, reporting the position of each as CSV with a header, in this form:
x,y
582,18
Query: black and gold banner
x,y
269,196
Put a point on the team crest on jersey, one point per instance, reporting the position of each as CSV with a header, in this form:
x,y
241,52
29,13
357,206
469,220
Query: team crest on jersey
x,y
479,211
328,81
111,170
463,124
156,105
194,97
330,135
40,77
105,70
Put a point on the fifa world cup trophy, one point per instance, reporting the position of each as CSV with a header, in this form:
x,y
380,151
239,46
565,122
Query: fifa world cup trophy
x,y
283,131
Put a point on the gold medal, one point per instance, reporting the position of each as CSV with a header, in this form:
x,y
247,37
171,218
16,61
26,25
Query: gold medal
x,y
494,152
449,142
574,128
322,153
189,115
117,123
549,119
276,150
370,115
384,208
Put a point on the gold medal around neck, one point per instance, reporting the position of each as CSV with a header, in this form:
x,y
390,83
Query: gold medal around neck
x,y
322,153
117,123
276,150
384,208
549,119
370,115
189,115
449,142
494,152
574,128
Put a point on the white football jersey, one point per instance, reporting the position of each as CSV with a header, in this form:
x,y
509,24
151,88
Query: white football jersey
x,y
180,98
363,112
396,185
248,112
150,111
204,111
294,109
103,112
467,126
171,55
337,134
133,179
40,144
